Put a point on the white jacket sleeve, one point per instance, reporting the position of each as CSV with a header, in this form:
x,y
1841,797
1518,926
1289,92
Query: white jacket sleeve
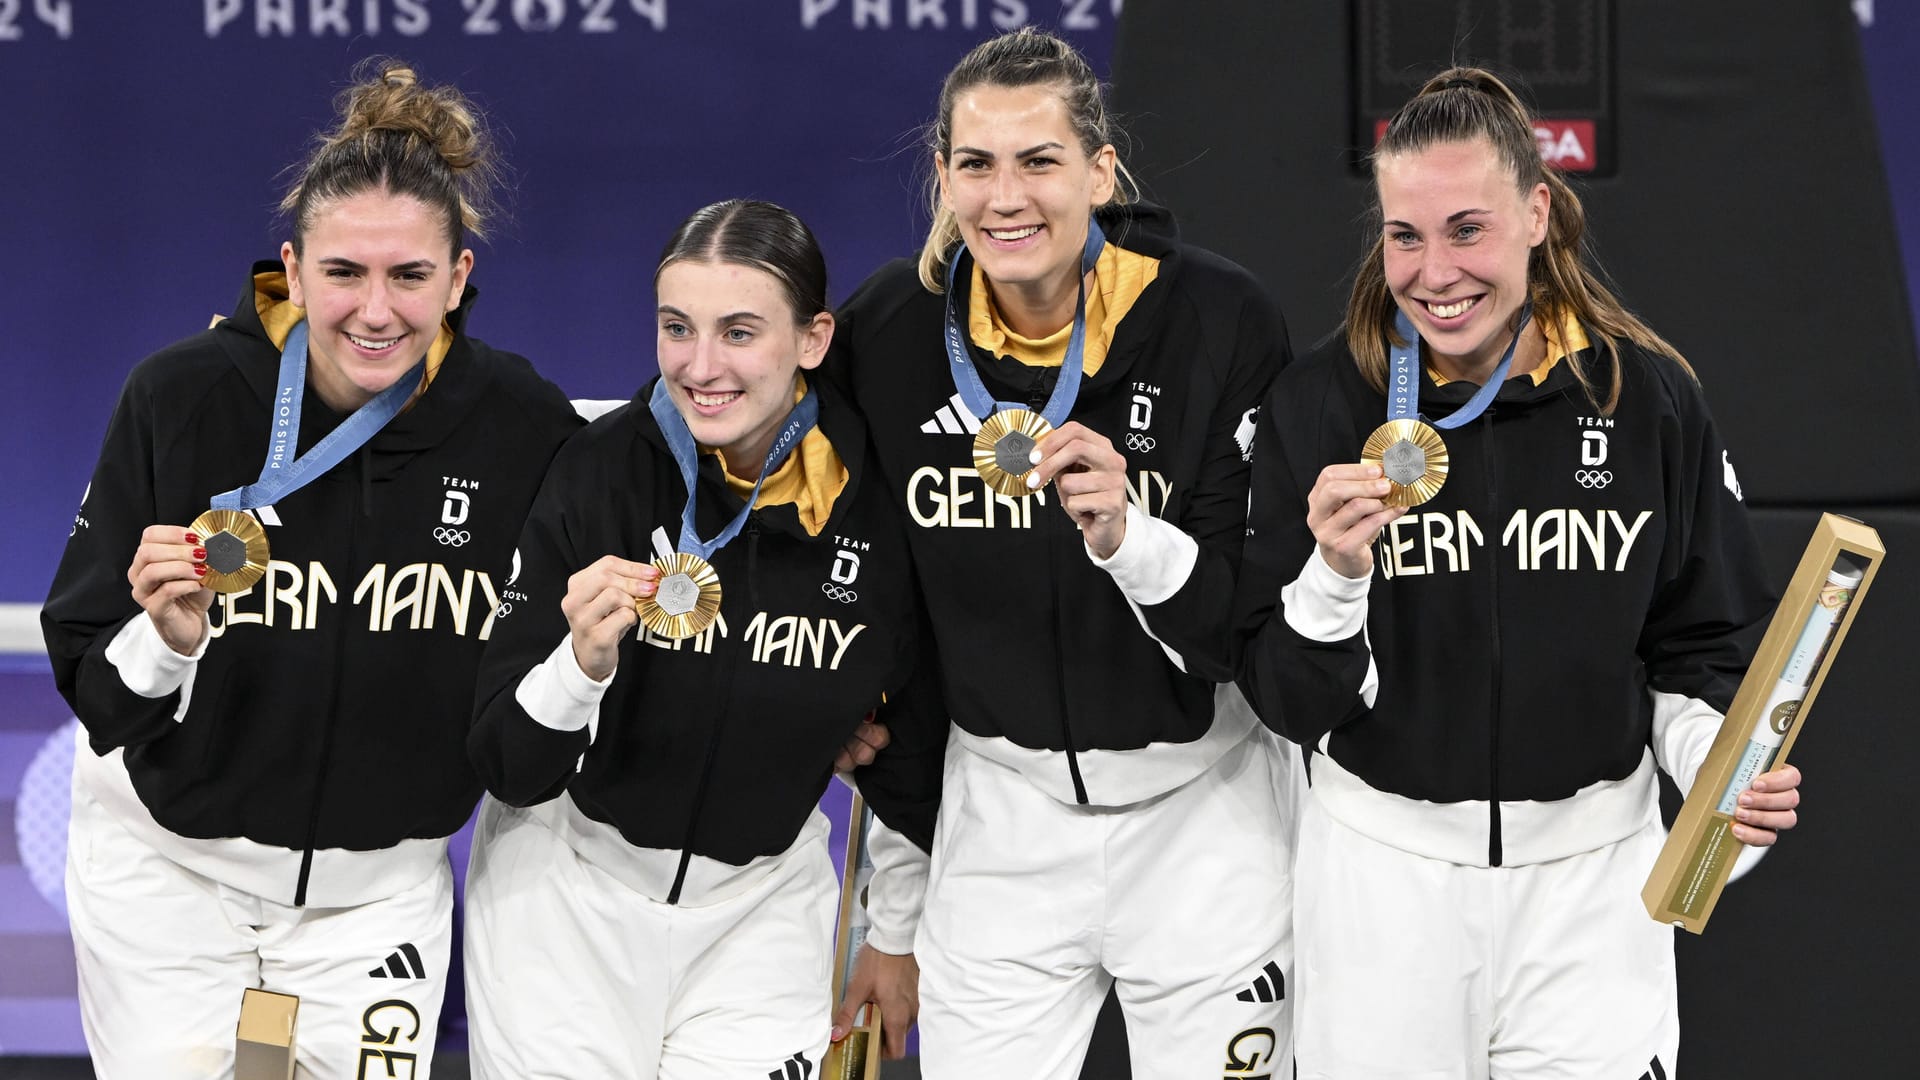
x,y
1683,732
898,890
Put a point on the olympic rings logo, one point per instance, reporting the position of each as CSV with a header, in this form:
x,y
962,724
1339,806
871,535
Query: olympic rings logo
x,y
505,609
836,592
451,537
1137,441
1593,478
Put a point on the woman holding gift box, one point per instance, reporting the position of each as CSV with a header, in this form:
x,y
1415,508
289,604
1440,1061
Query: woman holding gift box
x,y
1536,585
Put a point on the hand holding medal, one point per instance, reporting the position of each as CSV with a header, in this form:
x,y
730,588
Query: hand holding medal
x,y
166,575
1346,510
176,571
1403,463
602,605
1091,478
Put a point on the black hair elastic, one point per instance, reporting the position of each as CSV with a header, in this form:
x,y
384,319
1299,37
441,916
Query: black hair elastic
x,y
1459,84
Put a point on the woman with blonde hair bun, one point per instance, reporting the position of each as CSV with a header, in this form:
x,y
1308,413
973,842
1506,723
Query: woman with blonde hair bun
x,y
315,502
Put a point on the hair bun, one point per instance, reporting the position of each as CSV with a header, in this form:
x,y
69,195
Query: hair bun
x,y
394,132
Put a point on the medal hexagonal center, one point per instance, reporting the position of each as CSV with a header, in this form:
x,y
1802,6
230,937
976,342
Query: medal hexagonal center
x,y
226,553
1013,453
1404,462
677,594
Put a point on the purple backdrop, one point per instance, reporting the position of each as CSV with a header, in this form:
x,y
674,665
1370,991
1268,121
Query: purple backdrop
x,y
145,142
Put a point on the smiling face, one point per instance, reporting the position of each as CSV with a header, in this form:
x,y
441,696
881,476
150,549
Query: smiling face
x,y
1457,235
376,279
730,347
1022,191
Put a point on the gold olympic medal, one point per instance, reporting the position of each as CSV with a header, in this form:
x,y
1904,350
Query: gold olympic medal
x,y
236,549
1003,448
1413,457
686,600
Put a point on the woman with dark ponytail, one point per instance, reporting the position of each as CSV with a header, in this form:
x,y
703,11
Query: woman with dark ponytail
x,y
651,893
315,502
1535,586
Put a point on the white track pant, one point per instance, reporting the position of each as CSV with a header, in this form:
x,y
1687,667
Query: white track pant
x,y
1183,902
571,974
164,953
1417,969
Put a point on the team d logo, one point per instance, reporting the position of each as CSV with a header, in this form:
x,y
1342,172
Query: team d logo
x,y
1593,456
453,514
845,571
1139,419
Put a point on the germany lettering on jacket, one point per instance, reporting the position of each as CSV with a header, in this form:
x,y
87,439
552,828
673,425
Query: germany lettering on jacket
x,y
784,640
418,596
1557,539
956,498
429,596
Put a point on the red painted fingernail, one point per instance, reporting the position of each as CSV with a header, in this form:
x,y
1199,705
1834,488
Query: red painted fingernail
x,y
200,571
199,554
192,539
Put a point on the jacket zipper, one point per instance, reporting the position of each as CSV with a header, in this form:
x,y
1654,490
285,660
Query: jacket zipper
x,y
333,699
1066,719
1037,391
1036,398
1495,843
720,722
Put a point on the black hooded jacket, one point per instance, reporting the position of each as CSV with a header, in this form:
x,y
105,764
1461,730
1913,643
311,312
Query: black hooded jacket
x,y
330,709
1047,663
720,745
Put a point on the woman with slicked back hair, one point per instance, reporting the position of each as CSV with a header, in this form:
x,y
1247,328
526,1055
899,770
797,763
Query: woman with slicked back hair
x,y
651,893
315,502
1535,587
1114,817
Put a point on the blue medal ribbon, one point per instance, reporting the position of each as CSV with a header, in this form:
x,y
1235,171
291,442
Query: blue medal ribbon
x,y
1066,389
1403,385
283,473
686,454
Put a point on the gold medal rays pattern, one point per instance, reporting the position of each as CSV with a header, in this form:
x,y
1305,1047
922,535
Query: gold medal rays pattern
x,y
1413,457
236,549
687,599
1002,446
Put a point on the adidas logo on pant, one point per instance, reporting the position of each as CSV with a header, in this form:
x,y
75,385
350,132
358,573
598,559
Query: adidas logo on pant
x,y
403,964
1271,986
796,1068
